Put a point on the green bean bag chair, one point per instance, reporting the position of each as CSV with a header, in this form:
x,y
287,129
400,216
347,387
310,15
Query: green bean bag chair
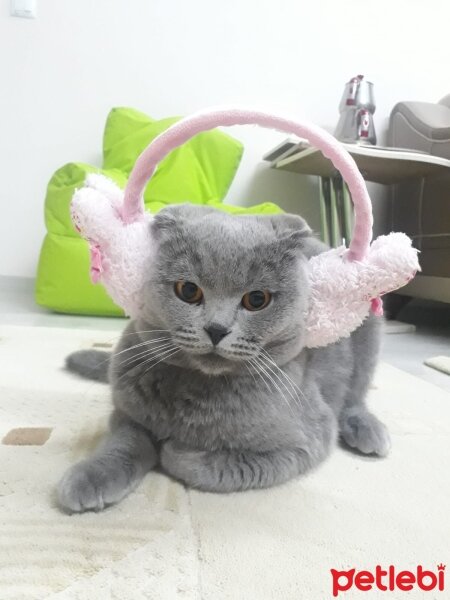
x,y
199,172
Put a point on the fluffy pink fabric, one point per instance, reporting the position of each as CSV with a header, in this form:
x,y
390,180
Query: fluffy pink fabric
x,y
342,291
345,284
126,250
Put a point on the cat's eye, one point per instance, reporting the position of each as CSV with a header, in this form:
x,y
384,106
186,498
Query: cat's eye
x,y
188,292
256,300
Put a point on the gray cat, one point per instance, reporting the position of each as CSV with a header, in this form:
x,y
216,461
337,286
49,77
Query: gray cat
x,y
213,384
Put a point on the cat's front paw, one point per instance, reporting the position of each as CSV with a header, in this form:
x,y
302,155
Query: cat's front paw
x,y
364,432
89,486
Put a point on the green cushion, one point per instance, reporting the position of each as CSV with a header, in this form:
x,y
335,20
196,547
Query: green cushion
x,y
199,172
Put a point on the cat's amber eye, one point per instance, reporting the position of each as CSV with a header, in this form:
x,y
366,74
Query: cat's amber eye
x,y
188,292
256,300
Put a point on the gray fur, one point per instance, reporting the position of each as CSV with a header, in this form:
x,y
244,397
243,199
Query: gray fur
x,y
252,412
92,364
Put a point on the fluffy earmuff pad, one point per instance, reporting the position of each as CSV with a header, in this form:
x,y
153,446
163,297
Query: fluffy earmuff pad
x,y
342,290
120,252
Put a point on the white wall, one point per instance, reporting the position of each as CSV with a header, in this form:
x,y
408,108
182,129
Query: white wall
x,y
61,73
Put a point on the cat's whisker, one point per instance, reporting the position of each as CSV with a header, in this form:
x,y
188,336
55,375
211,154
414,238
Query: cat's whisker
x,y
146,343
275,374
136,356
251,372
292,383
173,352
258,372
156,355
268,357
259,375
262,367
141,364
148,331
264,355
145,353
108,359
121,335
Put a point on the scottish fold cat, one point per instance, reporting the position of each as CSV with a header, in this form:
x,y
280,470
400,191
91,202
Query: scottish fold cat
x,y
213,383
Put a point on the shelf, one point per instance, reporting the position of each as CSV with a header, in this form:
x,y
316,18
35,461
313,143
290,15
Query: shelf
x,y
379,165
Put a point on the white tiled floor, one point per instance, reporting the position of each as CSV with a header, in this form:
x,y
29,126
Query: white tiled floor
x,y
406,351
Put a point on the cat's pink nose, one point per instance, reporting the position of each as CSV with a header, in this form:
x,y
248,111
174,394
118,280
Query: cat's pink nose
x,y
216,332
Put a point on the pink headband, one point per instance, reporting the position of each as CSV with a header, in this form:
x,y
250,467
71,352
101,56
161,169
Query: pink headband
x,y
133,207
344,284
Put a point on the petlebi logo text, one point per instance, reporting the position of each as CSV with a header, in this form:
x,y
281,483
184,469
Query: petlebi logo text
x,y
388,579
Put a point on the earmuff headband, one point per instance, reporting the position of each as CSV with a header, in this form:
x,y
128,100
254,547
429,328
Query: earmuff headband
x,y
182,131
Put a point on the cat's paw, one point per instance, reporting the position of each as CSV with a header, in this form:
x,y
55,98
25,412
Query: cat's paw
x,y
88,485
364,432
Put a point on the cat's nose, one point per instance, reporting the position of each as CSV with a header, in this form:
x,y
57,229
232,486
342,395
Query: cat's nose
x,y
216,332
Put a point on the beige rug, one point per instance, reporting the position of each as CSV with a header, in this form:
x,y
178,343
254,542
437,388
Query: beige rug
x,y
164,542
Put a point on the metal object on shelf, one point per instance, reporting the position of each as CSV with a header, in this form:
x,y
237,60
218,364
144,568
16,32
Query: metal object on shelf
x,y
357,107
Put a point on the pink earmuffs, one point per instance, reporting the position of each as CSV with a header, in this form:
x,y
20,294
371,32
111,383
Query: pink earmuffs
x,y
345,283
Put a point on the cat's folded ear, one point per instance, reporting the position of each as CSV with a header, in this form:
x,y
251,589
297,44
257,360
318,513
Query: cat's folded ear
x,y
176,215
164,223
291,231
294,234
286,224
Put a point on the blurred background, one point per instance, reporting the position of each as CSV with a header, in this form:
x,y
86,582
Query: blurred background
x,y
62,72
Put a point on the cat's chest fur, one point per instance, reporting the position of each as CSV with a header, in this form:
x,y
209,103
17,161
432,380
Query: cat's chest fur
x,y
208,412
